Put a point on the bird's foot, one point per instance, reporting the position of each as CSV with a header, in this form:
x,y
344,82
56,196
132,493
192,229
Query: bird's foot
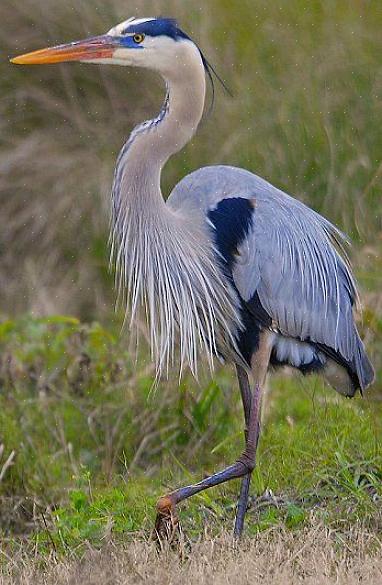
x,y
167,527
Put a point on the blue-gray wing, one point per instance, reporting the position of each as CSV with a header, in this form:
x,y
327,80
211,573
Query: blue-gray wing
x,y
290,260
289,256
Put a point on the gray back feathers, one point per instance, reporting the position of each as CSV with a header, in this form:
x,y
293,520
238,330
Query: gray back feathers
x,y
291,258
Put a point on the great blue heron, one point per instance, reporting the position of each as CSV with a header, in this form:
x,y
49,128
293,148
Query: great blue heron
x,y
229,265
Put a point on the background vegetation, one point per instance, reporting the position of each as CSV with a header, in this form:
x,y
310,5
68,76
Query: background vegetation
x,y
85,446
307,85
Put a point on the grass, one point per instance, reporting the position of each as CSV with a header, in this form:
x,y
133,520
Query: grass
x,y
278,556
94,446
314,555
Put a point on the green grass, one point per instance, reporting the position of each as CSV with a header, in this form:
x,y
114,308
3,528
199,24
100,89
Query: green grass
x,y
95,445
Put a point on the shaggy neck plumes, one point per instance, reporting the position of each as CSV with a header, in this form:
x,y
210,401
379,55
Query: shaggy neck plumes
x,y
164,261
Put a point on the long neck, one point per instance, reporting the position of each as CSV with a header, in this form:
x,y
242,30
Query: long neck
x,y
164,261
151,144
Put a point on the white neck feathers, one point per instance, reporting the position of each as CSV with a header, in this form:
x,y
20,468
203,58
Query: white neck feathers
x,y
165,263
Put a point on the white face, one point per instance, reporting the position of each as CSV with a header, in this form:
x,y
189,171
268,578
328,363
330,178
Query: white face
x,y
154,52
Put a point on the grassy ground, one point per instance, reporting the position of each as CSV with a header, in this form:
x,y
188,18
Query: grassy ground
x,y
88,446
314,556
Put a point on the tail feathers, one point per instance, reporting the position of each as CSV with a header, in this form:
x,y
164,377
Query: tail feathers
x,y
363,366
347,376
339,378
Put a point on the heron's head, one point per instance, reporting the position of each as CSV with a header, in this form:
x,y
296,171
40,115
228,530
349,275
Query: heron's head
x,y
154,43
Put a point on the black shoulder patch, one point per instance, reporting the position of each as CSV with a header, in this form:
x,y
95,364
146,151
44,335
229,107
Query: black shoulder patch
x,y
232,220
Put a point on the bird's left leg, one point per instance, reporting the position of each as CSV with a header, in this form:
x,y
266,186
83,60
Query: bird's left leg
x,y
166,520
251,406
252,414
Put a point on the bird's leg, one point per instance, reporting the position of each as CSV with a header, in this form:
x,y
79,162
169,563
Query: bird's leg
x,y
252,433
246,397
252,416
167,520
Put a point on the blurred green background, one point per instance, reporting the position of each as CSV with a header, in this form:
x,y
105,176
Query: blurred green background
x,y
306,112
79,425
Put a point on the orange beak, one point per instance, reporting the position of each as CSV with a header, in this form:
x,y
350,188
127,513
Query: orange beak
x,y
101,47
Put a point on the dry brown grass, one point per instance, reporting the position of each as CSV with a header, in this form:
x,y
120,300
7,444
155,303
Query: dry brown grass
x,y
315,556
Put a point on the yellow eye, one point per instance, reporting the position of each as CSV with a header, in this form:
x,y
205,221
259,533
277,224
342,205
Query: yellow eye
x,y
138,38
